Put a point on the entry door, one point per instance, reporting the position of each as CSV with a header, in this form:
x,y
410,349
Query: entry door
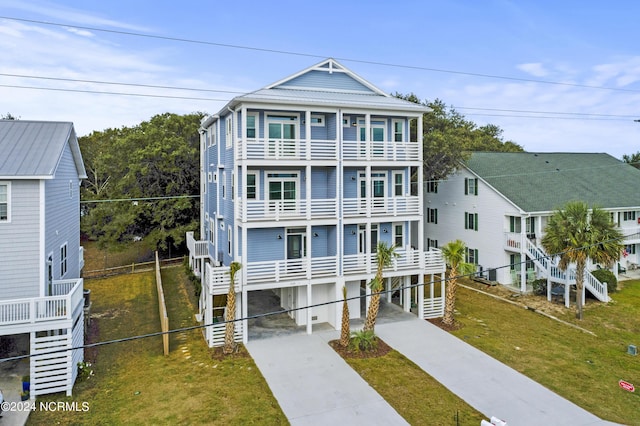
x,y
282,136
376,136
282,195
378,190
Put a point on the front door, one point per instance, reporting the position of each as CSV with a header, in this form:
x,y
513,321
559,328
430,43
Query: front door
x,y
282,195
282,136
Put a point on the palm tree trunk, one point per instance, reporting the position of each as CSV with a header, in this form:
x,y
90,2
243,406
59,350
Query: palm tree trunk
x,y
580,265
229,331
450,298
345,333
372,312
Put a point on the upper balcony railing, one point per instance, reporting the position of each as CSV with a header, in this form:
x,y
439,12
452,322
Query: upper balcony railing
x,y
323,149
197,249
65,298
287,209
381,206
432,261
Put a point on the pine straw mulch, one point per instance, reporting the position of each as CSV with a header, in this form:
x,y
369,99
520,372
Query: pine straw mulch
x,y
239,353
381,349
446,327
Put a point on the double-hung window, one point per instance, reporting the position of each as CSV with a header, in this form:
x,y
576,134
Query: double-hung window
x,y
63,259
398,235
471,221
252,185
5,206
471,255
229,132
398,130
398,184
630,215
432,186
252,125
470,186
432,215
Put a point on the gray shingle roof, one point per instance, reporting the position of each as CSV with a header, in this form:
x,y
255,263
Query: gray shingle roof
x,y
539,182
33,148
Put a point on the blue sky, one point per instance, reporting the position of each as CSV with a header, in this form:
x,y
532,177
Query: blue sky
x,y
586,43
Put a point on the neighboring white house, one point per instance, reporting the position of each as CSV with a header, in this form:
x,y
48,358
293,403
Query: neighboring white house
x,y
41,292
300,180
499,205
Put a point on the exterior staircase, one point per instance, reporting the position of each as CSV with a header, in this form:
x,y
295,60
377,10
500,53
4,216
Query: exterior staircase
x,y
553,273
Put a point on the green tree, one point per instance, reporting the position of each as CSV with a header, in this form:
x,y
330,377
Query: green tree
x,y
8,116
633,159
454,255
229,330
576,235
384,256
157,159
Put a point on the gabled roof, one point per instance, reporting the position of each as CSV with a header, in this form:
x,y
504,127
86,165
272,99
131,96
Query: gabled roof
x,y
328,83
542,182
33,149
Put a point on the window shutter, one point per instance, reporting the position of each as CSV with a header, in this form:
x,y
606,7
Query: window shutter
x,y
475,187
475,221
466,186
466,220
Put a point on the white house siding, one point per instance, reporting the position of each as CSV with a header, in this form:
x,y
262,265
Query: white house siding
x,y
62,216
452,203
19,247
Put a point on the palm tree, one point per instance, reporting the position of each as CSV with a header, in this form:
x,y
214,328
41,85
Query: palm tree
x,y
454,255
229,331
384,255
575,236
346,330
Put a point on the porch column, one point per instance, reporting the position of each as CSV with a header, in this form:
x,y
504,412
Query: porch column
x,y
308,191
245,313
420,298
309,309
339,306
387,287
406,283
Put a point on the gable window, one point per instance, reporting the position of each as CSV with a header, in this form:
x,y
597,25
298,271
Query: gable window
x,y
252,186
470,186
317,120
63,259
471,255
252,125
471,221
432,215
398,130
5,197
432,186
229,131
398,184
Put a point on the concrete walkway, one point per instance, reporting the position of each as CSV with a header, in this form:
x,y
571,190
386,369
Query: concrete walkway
x,y
313,384
484,383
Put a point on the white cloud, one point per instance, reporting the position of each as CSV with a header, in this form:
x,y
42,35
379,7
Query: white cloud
x,y
536,69
80,32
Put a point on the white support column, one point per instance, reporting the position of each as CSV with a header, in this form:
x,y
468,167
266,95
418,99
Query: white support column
x,y
308,250
308,190
338,296
420,298
367,135
307,128
387,287
245,314
309,310
367,189
406,283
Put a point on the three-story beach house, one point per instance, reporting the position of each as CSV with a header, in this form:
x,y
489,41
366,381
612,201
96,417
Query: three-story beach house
x,y
499,204
300,180
41,292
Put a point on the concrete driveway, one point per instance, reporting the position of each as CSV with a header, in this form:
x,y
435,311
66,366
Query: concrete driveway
x,y
11,373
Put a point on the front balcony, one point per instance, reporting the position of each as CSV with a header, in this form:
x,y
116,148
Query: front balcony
x,y
197,249
431,261
66,296
380,151
277,210
381,206
512,241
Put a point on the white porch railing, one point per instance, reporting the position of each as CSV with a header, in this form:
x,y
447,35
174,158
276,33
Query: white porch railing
x,y
512,240
631,233
287,209
291,269
66,296
288,149
391,151
431,261
381,206
197,249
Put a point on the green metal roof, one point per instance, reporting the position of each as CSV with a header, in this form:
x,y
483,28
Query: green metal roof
x,y
540,182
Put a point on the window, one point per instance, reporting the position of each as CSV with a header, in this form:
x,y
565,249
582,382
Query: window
x,y
398,184
212,231
470,186
432,186
229,131
252,125
210,176
252,186
631,215
432,243
317,120
630,249
215,177
229,239
471,221
398,235
471,256
432,215
63,259
233,184
398,130
515,224
70,189
212,137
282,190
5,198
530,227
515,262
224,185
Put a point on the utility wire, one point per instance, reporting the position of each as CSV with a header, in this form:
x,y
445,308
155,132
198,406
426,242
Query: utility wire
x,y
196,327
310,55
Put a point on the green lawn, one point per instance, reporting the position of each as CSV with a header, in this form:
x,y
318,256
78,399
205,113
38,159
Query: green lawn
x,y
582,368
135,383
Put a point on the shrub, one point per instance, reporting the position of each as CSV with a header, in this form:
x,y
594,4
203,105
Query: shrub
x,y
363,340
540,286
606,276
197,284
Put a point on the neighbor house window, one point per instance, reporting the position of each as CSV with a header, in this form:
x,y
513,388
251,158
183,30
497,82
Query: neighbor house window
x,y
229,239
471,221
631,215
5,197
470,186
432,243
398,184
471,255
252,125
317,120
630,249
229,131
398,130
252,186
224,185
212,231
432,215
398,235
63,259
432,186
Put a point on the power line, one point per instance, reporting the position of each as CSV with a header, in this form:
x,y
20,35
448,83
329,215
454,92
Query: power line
x,y
113,200
196,327
310,55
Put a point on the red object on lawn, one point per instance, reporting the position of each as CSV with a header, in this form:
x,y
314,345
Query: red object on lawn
x,y
626,386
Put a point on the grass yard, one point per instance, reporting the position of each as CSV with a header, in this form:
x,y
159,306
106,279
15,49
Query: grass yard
x,y
135,383
582,368
126,254
414,394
